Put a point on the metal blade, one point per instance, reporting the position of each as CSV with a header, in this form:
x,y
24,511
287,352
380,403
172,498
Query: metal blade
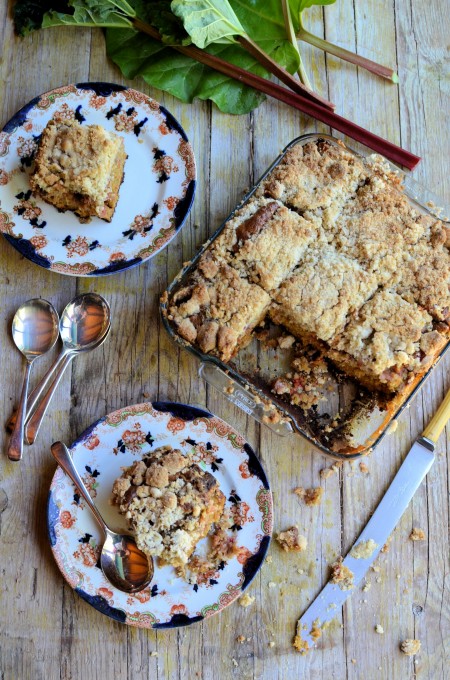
x,y
383,521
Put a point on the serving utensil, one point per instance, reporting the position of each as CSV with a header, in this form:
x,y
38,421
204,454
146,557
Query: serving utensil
x,y
34,331
383,521
84,325
124,565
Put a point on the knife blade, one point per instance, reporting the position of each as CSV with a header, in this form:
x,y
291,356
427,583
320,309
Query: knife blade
x,y
383,521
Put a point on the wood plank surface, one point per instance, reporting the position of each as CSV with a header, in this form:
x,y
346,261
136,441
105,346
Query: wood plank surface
x,y
46,630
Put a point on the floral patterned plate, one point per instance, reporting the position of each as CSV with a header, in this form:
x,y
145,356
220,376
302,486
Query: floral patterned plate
x,y
154,199
116,441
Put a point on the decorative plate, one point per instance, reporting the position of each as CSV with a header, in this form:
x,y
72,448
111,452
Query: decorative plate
x,y
154,199
116,441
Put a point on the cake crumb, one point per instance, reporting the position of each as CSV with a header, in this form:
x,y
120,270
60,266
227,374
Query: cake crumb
x,y
269,559
341,575
271,643
410,647
379,629
234,662
417,534
246,600
363,550
353,660
240,639
387,545
291,541
376,568
315,631
367,586
392,427
300,645
154,654
363,467
311,496
272,584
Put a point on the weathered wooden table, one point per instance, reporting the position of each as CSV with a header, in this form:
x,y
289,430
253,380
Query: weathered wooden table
x,y
49,632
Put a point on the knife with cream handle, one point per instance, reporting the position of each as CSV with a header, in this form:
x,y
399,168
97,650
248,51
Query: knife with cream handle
x,y
374,536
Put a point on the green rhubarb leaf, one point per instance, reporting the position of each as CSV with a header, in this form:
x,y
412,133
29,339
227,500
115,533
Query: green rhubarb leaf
x,y
208,21
104,13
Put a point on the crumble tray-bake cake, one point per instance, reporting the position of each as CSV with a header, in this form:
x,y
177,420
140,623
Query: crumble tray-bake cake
x,y
79,168
170,504
330,248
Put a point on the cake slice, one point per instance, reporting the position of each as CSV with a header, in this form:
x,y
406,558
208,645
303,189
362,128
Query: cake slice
x,y
315,302
79,168
218,309
265,240
386,343
170,504
315,176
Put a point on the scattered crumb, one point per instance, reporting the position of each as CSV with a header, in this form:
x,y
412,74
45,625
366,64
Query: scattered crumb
x,y
378,579
240,639
387,545
246,600
353,660
154,654
290,540
392,427
376,568
234,662
311,496
417,534
300,571
363,467
332,470
341,575
286,341
367,586
145,395
410,647
315,631
300,645
398,576
379,629
363,550
269,559
272,584
271,643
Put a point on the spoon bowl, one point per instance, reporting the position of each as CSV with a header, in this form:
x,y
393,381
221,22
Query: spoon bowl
x,y
34,331
84,325
125,566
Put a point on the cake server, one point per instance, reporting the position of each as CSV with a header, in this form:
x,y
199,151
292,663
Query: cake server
x,y
383,521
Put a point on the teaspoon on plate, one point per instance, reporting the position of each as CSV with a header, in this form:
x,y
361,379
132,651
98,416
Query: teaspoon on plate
x,y
34,331
124,565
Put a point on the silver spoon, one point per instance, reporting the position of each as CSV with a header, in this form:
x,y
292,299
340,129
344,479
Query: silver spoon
x,y
123,564
34,331
84,325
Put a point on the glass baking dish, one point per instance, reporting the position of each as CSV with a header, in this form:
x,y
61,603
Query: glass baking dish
x,y
363,417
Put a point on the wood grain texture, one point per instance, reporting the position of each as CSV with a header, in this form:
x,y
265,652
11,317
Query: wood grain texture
x,y
47,631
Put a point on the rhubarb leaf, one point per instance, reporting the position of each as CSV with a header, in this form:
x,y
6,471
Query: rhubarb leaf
x,y
208,21
105,13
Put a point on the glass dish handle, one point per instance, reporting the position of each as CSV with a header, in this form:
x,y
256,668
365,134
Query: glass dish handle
x,y
242,398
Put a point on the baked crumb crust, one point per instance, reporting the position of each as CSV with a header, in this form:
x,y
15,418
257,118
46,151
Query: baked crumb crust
x,y
330,248
169,502
79,168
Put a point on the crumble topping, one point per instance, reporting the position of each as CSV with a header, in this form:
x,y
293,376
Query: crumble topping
x,y
330,248
246,600
79,168
170,504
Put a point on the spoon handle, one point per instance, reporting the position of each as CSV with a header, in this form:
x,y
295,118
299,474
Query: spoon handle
x,y
36,393
34,422
61,454
15,447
